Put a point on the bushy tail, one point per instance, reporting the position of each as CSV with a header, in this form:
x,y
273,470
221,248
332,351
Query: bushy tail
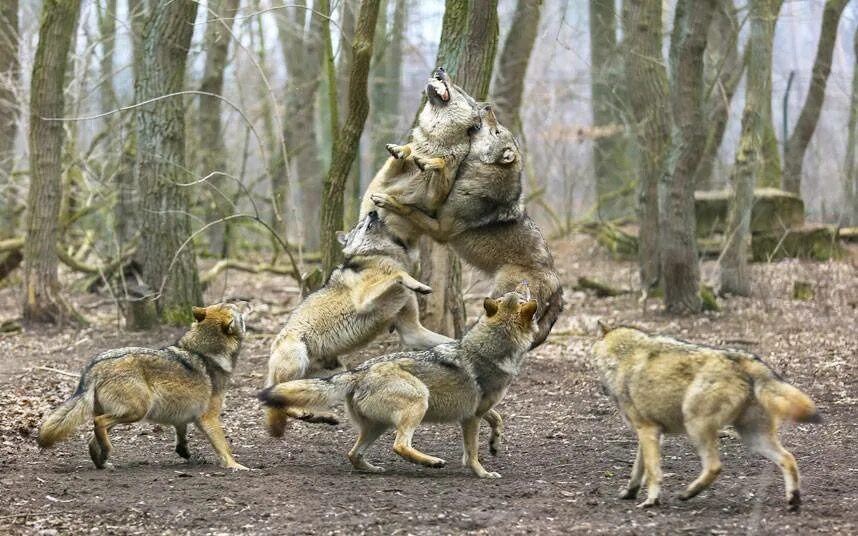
x,y
63,421
779,398
316,393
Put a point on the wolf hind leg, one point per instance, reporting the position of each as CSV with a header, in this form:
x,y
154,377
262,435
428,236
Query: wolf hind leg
x,y
369,432
761,436
289,361
99,445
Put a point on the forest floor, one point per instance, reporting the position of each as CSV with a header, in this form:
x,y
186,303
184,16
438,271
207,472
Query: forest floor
x,y
567,452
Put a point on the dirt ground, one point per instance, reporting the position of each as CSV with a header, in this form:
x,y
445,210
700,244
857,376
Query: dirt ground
x,y
567,452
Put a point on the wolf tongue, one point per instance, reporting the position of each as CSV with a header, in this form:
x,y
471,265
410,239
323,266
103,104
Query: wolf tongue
x,y
444,94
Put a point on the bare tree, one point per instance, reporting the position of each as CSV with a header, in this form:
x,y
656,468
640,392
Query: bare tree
x,y
645,71
212,151
161,162
386,85
722,71
300,33
508,85
10,75
678,246
42,300
346,145
850,176
750,157
610,153
796,146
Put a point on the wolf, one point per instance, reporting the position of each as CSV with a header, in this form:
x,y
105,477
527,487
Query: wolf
x,y
422,171
484,222
665,386
176,385
455,382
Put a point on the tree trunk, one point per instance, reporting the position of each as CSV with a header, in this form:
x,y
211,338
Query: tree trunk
x,y
10,75
107,34
723,68
386,87
346,145
303,49
42,300
679,264
645,71
611,164
750,155
796,146
508,86
212,151
467,50
850,185
161,163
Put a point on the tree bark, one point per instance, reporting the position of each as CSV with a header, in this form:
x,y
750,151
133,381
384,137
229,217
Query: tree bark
x,y
611,164
508,85
303,48
733,275
42,300
796,147
346,145
468,44
161,163
722,68
850,177
10,76
645,71
386,87
212,151
679,264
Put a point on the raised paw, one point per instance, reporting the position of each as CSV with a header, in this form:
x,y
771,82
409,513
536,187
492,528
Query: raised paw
x,y
397,151
365,466
420,288
429,164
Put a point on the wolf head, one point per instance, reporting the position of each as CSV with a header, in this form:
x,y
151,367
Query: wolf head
x,y
371,237
217,334
493,143
514,310
449,111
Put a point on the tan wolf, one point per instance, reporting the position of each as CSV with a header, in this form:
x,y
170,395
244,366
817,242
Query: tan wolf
x,y
455,382
665,386
422,171
176,385
484,222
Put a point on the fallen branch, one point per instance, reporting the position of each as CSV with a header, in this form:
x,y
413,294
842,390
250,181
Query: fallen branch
x,y
234,264
603,290
58,371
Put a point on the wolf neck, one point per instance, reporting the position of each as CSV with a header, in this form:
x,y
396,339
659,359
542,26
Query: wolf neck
x,y
211,348
488,346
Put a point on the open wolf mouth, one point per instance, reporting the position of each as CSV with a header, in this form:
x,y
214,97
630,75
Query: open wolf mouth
x,y
437,89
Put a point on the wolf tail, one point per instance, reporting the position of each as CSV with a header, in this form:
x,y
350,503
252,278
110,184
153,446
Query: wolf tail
x,y
63,421
316,393
779,398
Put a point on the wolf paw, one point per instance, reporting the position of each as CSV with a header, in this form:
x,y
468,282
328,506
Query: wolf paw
x,y
649,503
489,474
421,288
434,463
237,467
361,464
628,493
794,501
397,151
182,450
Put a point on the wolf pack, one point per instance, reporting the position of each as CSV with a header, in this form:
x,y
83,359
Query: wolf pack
x,y
457,181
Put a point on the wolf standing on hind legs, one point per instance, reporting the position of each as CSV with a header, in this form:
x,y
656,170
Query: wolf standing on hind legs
x,y
483,221
177,385
663,385
456,382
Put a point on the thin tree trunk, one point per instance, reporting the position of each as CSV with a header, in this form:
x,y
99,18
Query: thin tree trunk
x,y
303,48
386,87
107,31
796,146
508,85
161,163
611,164
733,275
10,76
42,300
212,151
850,186
645,71
723,68
469,36
679,264
346,145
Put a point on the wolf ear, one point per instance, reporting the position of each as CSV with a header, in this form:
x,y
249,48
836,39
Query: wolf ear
x,y
199,313
528,310
341,238
491,307
507,156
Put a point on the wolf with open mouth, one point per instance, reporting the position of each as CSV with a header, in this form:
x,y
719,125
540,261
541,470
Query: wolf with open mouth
x,y
422,172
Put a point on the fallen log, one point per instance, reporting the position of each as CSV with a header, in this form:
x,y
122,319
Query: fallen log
x,y
602,290
242,266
